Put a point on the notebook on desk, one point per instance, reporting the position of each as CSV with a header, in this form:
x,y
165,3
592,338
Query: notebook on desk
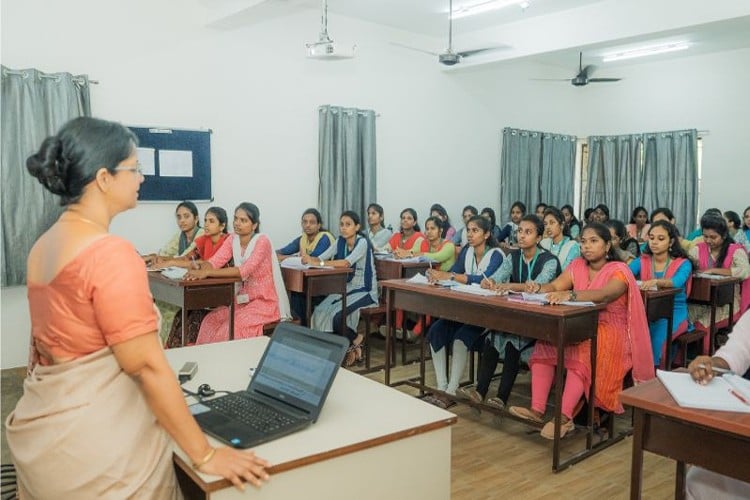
x,y
286,393
725,393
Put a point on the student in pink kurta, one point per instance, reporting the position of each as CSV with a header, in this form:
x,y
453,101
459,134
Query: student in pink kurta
x,y
257,297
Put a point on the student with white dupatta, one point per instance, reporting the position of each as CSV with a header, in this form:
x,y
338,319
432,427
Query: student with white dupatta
x,y
260,297
477,260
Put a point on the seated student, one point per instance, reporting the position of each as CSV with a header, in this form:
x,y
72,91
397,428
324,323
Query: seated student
x,y
638,226
460,240
206,245
478,259
562,246
507,237
440,251
539,210
746,223
260,297
622,334
314,241
664,264
378,234
572,224
600,213
437,210
527,263
183,242
734,355
626,248
489,214
410,237
664,213
735,229
588,216
718,254
353,251
697,234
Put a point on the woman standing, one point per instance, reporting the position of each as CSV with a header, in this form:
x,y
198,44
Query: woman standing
x,y
638,226
561,246
528,263
100,395
409,238
664,264
260,295
622,334
352,251
480,258
378,234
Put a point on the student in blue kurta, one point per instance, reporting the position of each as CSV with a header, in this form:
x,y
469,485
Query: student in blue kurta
x,y
529,265
314,242
664,264
479,258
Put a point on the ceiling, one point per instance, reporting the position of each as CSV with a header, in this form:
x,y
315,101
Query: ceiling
x,y
550,32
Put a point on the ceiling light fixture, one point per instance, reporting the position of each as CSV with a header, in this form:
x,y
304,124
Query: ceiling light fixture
x,y
325,48
646,51
467,10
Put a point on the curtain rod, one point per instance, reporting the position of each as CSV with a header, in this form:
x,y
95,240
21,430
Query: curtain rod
x,y
77,79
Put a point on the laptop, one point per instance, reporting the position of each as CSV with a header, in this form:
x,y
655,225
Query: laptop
x,y
286,393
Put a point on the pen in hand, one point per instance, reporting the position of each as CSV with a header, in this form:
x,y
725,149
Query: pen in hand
x,y
716,369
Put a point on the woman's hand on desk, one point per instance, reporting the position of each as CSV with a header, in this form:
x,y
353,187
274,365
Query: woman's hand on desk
x,y
433,275
650,284
196,274
307,260
702,368
488,284
401,253
237,466
557,297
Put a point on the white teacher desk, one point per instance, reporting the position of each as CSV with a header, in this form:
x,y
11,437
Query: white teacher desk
x,y
370,441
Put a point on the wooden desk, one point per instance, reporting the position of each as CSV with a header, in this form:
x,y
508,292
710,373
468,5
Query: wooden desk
x,y
391,269
196,294
714,293
317,281
558,325
364,426
715,440
660,305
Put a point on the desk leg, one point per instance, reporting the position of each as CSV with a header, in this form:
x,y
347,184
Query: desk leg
x,y
388,333
343,310
559,382
184,322
668,342
712,329
422,379
636,464
592,390
231,317
679,480
308,303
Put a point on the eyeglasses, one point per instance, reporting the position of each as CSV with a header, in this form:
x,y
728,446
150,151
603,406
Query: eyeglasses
x,y
138,169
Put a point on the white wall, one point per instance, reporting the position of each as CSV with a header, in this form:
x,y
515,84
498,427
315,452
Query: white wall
x,y
438,133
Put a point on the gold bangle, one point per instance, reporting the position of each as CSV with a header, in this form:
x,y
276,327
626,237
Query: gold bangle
x,y
206,459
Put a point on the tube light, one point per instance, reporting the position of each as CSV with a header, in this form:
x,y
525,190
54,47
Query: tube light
x,y
646,51
486,6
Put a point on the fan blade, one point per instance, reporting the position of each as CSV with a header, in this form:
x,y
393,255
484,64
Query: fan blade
x,y
551,79
587,70
592,80
414,49
468,53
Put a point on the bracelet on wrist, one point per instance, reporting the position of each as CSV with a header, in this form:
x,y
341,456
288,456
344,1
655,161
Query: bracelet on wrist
x,y
538,288
205,460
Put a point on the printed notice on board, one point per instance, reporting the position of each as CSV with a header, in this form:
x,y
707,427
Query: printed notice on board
x,y
146,157
175,163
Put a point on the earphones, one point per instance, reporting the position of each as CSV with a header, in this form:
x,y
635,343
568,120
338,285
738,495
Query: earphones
x,y
205,391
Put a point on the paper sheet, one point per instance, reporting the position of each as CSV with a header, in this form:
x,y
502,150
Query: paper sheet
x,y
175,163
147,159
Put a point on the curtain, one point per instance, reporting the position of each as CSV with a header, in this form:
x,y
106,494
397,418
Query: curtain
x,y
670,174
615,174
536,167
35,105
346,162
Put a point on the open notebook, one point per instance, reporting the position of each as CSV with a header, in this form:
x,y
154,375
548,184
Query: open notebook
x,y
725,393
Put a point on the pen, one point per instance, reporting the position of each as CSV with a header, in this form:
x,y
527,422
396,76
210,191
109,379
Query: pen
x,y
193,259
716,369
739,396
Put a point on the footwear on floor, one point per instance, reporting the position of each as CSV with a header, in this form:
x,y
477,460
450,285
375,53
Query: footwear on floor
x,y
548,431
438,401
383,330
411,336
525,413
470,393
496,403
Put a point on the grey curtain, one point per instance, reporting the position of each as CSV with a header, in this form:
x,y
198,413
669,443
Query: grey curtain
x,y
536,167
346,162
34,106
615,174
670,172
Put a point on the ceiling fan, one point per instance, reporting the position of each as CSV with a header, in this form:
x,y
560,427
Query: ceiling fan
x,y
451,57
582,78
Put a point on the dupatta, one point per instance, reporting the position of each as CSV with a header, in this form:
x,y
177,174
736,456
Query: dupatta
x,y
703,254
670,271
278,279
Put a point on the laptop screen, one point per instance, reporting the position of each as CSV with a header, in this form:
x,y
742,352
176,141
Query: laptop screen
x,y
297,369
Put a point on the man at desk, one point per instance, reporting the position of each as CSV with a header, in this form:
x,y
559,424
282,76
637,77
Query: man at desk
x,y
735,356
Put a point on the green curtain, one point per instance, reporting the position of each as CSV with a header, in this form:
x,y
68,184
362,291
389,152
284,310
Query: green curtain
x,y
670,172
536,167
35,105
615,174
346,162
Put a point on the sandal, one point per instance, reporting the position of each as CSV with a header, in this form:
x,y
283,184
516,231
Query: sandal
x,y
548,431
471,394
438,401
496,403
525,414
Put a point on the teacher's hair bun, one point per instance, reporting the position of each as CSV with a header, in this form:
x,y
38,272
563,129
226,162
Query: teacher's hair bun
x,y
50,166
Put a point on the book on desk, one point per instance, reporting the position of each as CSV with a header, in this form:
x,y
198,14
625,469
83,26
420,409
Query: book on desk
x,y
728,392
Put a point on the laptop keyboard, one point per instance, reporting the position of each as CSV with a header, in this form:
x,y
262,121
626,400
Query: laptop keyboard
x,y
251,413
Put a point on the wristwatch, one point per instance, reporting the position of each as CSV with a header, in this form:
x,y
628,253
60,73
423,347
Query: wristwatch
x,y
573,295
453,276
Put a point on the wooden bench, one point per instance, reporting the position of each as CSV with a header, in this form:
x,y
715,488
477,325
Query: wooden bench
x,y
268,328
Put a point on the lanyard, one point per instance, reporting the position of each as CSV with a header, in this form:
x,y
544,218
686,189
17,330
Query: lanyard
x,y
475,263
557,249
653,266
529,265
